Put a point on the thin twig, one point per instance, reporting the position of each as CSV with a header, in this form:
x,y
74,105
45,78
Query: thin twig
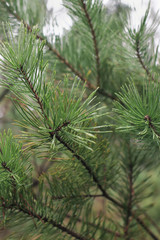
x,y
141,61
94,40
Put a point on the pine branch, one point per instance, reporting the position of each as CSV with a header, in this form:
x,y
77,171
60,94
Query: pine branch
x,y
141,61
150,124
151,220
105,193
116,234
39,101
82,160
13,182
30,211
141,222
65,124
60,57
64,229
89,170
94,40
55,133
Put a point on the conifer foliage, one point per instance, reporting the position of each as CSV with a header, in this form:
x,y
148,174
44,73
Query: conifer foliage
x,y
81,158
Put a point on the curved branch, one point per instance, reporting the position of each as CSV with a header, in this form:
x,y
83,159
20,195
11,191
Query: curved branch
x,y
94,41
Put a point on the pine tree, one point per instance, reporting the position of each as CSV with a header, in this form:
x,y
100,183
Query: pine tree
x,y
81,160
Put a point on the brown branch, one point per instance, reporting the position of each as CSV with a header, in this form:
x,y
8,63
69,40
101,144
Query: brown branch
x,y
148,118
141,222
61,58
147,217
94,40
65,124
44,219
39,101
89,170
35,215
141,61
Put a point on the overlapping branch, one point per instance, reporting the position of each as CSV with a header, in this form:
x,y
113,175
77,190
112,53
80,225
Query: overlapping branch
x,y
61,58
30,211
85,165
64,229
69,148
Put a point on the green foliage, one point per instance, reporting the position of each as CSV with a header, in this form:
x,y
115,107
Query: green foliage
x,y
13,164
63,174
54,109
139,113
